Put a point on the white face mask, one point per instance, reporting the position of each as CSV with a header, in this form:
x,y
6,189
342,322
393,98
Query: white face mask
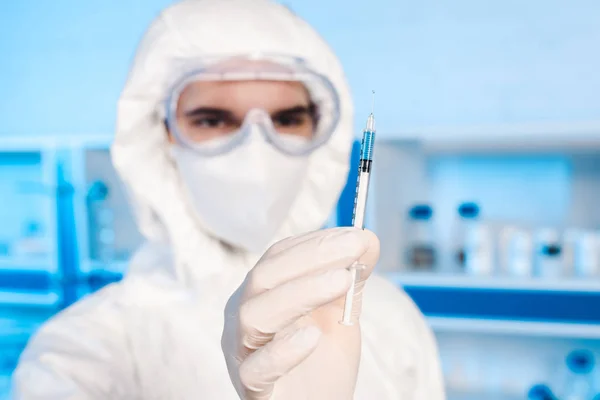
x,y
243,196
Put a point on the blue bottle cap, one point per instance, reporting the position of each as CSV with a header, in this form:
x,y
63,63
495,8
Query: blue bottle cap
x,y
468,210
98,191
33,228
580,361
421,212
551,250
540,392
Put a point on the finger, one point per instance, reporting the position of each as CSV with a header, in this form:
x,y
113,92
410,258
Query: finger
x,y
294,240
260,371
332,249
261,317
370,257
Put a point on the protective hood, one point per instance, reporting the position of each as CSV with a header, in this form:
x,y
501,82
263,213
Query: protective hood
x,y
194,29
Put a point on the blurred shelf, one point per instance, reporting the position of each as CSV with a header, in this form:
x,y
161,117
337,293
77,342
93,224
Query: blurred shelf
x,y
93,266
5,390
13,332
514,328
433,280
451,395
29,298
583,136
28,263
36,143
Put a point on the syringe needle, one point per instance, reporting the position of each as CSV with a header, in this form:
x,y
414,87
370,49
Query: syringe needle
x,y
373,103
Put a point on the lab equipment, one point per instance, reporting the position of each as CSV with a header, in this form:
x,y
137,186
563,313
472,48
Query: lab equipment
x,y
474,251
33,243
581,252
578,383
540,392
570,240
360,203
101,224
421,253
517,252
548,254
587,254
28,215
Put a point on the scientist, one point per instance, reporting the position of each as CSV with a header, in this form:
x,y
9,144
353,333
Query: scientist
x,y
233,133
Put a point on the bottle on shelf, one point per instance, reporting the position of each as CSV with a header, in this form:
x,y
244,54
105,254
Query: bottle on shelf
x,y
474,249
540,392
32,242
587,255
101,224
578,382
570,239
421,253
581,253
549,261
516,252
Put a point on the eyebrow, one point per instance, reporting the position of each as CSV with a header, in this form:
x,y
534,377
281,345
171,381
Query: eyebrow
x,y
223,113
208,110
296,110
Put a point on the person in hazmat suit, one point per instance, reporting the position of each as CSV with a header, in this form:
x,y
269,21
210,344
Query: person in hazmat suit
x,y
233,138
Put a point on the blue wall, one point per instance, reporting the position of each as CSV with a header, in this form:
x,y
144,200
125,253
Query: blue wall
x,y
432,63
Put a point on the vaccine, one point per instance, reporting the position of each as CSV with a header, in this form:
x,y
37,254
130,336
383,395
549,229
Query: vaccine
x,y
540,392
421,254
578,382
360,205
474,249
548,254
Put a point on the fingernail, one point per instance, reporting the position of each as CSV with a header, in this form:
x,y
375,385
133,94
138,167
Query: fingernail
x,y
307,336
351,240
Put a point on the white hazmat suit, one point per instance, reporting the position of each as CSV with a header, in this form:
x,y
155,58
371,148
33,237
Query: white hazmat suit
x,y
157,333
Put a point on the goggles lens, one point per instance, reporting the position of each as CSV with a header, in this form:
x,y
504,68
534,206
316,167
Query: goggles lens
x,y
210,106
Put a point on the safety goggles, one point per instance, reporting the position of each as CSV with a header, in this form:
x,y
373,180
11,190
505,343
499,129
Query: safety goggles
x,y
220,101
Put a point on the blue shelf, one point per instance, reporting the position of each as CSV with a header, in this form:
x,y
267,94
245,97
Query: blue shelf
x,y
507,306
445,324
456,281
559,306
26,280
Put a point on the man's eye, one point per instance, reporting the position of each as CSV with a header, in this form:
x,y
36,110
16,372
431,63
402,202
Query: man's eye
x,y
288,120
209,122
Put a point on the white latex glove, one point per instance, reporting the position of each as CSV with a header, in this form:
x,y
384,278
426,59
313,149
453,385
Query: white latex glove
x,y
282,337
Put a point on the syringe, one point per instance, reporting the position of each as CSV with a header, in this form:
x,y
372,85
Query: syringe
x,y
360,204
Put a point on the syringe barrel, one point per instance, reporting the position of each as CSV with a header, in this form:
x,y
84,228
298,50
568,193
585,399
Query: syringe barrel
x,y
366,152
368,141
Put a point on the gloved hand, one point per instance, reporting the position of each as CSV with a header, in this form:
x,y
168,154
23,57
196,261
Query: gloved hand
x,y
282,337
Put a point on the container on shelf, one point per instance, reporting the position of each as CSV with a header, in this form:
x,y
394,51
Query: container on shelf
x,y
540,392
421,253
549,262
515,252
473,251
578,380
587,255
